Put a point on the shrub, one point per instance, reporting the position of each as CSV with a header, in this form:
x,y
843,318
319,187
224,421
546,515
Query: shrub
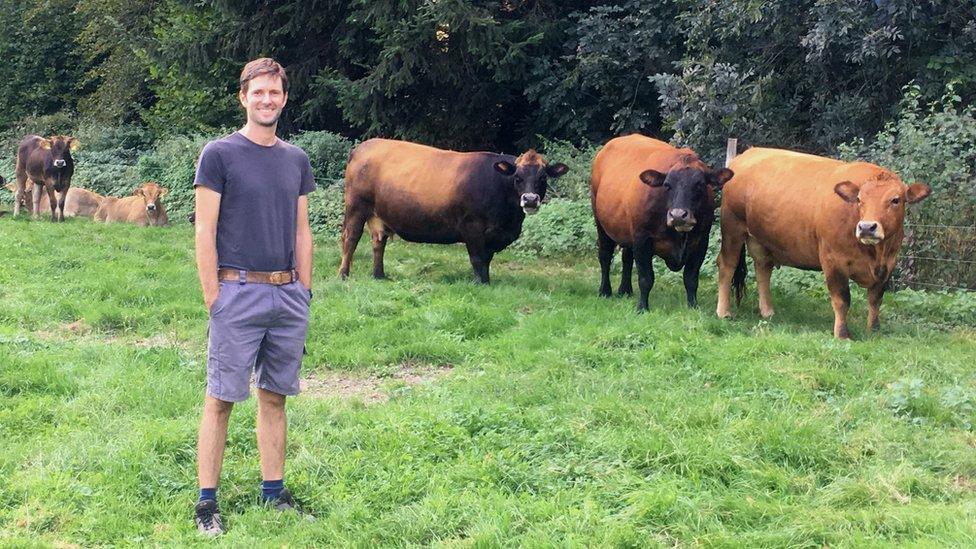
x,y
561,227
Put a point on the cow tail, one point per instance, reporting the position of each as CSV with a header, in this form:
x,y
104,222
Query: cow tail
x,y
739,277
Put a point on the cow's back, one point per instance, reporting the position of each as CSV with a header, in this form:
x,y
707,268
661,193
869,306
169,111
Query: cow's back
x,y
79,202
786,200
422,193
621,201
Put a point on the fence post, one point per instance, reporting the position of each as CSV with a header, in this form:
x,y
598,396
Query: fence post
x,y
730,150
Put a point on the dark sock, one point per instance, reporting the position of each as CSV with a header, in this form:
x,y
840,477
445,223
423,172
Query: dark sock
x,y
270,489
208,493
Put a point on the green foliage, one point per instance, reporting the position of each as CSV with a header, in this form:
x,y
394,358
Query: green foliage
x,y
562,227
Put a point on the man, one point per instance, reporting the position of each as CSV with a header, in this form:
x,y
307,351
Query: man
x,y
254,259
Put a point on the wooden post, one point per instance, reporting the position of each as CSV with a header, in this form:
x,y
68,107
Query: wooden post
x,y
730,150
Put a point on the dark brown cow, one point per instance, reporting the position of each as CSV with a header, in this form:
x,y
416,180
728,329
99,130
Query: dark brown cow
x,y
799,210
48,164
651,198
423,194
144,208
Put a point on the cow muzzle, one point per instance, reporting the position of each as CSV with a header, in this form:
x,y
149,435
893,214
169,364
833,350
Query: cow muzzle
x,y
681,220
869,232
530,203
59,163
151,208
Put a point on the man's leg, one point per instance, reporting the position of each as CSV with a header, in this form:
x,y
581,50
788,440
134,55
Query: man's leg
x,y
272,429
212,440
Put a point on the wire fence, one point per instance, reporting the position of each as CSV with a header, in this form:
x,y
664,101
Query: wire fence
x,y
941,257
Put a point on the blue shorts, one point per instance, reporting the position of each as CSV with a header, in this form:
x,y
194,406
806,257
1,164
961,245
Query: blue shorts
x,y
260,328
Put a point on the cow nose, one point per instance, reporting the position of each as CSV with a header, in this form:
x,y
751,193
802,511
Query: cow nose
x,y
530,199
59,163
868,227
151,207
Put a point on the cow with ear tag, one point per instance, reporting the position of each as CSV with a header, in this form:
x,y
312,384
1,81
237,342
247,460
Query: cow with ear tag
x,y
799,210
652,199
47,165
423,194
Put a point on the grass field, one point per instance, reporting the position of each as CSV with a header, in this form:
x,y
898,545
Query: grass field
x,y
565,420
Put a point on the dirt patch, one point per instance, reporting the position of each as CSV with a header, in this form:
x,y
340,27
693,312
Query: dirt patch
x,y
371,389
964,483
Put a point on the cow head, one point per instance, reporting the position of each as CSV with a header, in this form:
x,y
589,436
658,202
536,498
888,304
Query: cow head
x,y
27,200
687,191
881,204
152,194
530,174
60,147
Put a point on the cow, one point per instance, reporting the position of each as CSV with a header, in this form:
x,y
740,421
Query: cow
x,y
79,202
144,208
424,194
47,163
809,212
650,198
26,198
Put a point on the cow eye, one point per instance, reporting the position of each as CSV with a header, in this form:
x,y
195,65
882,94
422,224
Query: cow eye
x,y
896,200
518,179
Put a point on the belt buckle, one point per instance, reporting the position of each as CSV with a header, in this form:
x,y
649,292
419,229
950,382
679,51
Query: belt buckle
x,y
277,278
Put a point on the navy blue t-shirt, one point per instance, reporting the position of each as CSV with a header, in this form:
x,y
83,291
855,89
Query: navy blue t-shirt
x,y
259,188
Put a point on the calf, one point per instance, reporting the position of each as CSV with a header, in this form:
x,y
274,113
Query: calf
x,y
144,208
48,165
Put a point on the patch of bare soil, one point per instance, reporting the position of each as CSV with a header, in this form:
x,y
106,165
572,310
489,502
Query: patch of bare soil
x,y
371,389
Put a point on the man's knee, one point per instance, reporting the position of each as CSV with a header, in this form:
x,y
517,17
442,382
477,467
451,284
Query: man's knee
x,y
270,399
216,407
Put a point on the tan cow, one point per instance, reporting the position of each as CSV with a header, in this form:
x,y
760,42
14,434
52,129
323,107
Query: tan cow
x,y
143,208
799,210
78,202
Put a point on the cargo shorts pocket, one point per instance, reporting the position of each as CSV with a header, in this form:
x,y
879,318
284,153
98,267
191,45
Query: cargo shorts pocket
x,y
226,293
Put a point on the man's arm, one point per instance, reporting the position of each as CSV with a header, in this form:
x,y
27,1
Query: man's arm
x,y
207,211
303,244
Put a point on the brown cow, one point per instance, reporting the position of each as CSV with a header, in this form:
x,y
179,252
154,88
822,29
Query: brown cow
x,y
651,199
799,210
79,202
144,208
48,164
430,195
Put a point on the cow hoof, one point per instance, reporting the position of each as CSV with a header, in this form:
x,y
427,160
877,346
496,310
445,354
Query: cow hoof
x,y
766,315
625,291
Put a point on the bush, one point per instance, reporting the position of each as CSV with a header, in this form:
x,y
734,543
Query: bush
x,y
934,143
561,227
575,185
172,164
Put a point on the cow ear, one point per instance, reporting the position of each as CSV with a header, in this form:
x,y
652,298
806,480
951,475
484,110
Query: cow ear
x,y
44,144
163,191
917,192
652,178
720,177
557,170
848,191
10,187
504,168
73,143
137,191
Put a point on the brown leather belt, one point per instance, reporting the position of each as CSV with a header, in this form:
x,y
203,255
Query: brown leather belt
x,y
278,278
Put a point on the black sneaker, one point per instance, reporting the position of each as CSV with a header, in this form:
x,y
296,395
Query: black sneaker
x,y
285,502
207,517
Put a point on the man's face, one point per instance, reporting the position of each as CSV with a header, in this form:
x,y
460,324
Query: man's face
x,y
264,100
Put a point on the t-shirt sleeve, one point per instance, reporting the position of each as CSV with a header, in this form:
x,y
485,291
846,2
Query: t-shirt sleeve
x,y
210,170
308,178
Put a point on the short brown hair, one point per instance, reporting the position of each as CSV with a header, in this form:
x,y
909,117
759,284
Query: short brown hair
x,y
260,67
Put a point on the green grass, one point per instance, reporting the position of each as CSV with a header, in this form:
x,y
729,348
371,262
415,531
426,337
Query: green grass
x,y
568,420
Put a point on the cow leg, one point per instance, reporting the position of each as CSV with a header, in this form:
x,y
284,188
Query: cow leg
x,y
875,294
352,231
733,239
480,260
840,298
764,272
605,248
19,192
379,237
626,274
61,198
36,206
692,270
643,254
